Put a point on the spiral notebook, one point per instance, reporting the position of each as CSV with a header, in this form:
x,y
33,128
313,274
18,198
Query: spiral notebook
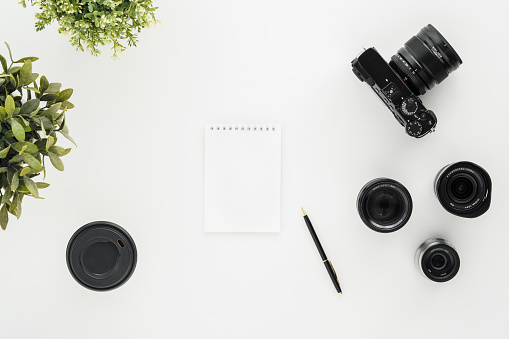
x,y
242,178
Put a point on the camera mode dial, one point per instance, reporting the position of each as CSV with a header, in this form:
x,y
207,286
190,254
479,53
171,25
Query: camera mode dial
x,y
414,128
409,106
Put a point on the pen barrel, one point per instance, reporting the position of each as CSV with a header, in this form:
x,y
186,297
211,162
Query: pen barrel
x,y
315,238
333,275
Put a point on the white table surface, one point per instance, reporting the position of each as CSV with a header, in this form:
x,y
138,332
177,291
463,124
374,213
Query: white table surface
x,y
139,124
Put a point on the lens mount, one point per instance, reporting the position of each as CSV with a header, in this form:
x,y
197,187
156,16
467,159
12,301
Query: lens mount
x,y
437,259
464,189
426,59
384,205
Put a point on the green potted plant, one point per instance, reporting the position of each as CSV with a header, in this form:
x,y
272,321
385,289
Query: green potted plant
x,y
94,23
31,115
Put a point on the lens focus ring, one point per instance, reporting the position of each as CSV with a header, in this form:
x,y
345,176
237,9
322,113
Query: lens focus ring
x,y
425,59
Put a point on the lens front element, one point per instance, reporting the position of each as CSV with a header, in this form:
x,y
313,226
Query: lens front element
x,y
437,259
384,205
464,189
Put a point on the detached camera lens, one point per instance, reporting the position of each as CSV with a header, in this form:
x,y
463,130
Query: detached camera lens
x,y
464,189
425,60
437,259
384,205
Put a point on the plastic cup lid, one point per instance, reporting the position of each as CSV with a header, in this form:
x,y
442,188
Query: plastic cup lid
x,y
101,256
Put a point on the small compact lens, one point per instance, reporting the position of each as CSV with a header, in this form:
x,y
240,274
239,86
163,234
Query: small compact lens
x,y
464,189
384,205
425,60
437,259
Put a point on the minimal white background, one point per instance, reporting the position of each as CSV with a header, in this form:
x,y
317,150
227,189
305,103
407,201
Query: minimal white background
x,y
139,124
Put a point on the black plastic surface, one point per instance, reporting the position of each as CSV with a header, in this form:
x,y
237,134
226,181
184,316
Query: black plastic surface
x,y
101,256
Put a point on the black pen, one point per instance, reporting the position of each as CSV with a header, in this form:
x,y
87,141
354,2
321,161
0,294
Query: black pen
x,y
327,263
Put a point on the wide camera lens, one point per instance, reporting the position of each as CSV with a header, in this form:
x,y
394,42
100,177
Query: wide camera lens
x,y
464,189
384,205
425,60
437,260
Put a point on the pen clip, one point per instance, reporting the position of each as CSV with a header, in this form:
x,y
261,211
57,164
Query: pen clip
x,y
335,274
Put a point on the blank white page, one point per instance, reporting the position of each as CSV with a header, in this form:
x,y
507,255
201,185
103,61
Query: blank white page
x,y
242,178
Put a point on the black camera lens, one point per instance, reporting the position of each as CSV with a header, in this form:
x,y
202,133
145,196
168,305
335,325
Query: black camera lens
x,y
384,205
437,259
425,60
464,189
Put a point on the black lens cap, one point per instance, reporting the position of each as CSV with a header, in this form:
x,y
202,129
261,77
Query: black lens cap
x,y
101,256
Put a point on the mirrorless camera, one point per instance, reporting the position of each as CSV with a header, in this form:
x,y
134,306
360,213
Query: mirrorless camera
x,y
425,60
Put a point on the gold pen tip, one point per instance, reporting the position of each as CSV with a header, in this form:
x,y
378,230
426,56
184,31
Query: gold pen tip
x,y
303,212
341,293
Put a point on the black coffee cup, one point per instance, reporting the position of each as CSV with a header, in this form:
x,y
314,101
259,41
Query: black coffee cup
x,y
101,256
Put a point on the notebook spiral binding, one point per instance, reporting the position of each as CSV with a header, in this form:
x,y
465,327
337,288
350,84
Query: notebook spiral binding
x,y
243,127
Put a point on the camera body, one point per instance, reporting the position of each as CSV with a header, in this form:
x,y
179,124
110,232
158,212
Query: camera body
x,y
407,108
424,61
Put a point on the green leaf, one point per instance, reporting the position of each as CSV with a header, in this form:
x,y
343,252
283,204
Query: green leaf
x,y
67,105
41,185
25,124
3,169
54,87
15,181
15,208
60,151
15,159
44,84
29,106
49,97
52,110
48,125
56,161
4,217
68,137
3,153
64,95
7,196
26,72
31,161
9,105
32,78
3,113
24,171
32,187
18,130
33,89
4,63
9,48
13,69
30,148
49,142
22,60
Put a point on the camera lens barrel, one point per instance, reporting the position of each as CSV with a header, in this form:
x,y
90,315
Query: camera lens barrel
x,y
426,59
437,260
384,205
463,189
